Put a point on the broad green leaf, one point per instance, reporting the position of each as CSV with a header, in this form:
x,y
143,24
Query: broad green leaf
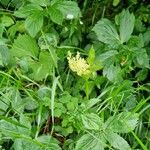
x,y
17,102
116,2
23,144
142,74
5,55
146,36
4,120
106,32
17,27
91,121
43,68
142,58
25,46
25,121
11,128
5,2
49,142
113,73
4,106
68,8
116,141
123,122
55,15
30,104
89,142
136,42
48,40
34,23
91,56
27,10
126,25
43,3
107,55
6,21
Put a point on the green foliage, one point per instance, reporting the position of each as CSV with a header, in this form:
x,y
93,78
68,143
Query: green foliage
x,y
45,104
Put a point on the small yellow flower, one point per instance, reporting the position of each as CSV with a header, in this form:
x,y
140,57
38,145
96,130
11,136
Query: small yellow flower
x,y
78,64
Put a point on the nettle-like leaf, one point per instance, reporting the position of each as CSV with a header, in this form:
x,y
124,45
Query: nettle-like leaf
x,y
68,8
89,141
42,142
126,25
43,67
123,122
142,58
25,46
4,55
23,144
107,55
47,40
43,3
116,141
91,121
113,73
56,15
142,74
12,128
34,18
50,142
6,21
106,32
27,10
34,23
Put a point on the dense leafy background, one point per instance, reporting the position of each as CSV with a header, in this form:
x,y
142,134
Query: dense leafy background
x,y
46,106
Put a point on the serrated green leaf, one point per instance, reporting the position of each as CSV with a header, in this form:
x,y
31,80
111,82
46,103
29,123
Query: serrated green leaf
x,y
146,36
43,68
123,122
142,74
27,10
107,55
5,55
49,142
91,121
9,121
43,3
126,25
22,144
113,73
68,8
25,46
56,15
106,32
142,58
6,21
116,141
88,142
34,23
48,40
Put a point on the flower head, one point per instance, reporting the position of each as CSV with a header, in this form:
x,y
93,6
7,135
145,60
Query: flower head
x,y
78,64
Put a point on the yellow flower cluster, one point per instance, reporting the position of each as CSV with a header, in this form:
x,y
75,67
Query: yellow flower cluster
x,y
78,64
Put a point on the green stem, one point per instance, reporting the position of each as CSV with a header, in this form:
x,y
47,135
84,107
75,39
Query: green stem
x,y
84,6
87,88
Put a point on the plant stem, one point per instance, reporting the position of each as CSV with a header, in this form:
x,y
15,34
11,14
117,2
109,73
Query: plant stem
x,y
87,88
84,6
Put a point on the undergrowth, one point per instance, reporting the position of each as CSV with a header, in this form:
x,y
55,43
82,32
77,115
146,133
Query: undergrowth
x,y
74,75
